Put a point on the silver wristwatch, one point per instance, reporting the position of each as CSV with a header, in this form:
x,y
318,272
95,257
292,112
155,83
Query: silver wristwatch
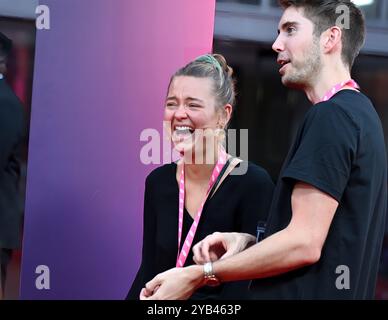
x,y
209,277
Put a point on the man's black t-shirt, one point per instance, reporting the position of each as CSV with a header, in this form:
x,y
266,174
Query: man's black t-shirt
x,y
340,150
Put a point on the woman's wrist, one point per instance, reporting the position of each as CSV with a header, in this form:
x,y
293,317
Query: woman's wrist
x,y
195,272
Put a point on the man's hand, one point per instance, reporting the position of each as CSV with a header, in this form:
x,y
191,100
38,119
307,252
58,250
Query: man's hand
x,y
174,284
221,245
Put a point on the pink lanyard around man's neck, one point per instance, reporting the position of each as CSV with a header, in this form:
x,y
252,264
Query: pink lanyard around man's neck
x,y
182,256
350,83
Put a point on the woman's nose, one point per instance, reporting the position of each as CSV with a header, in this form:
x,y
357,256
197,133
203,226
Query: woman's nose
x,y
181,113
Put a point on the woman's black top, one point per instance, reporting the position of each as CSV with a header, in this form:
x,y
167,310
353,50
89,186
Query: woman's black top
x,y
240,202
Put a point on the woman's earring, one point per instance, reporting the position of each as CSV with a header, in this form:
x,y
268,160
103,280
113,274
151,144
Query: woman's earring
x,y
220,125
221,133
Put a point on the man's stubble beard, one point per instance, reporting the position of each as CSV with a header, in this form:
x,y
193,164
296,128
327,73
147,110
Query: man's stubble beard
x,y
305,73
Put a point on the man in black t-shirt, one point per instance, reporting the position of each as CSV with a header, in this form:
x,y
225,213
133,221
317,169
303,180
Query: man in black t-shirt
x,y
326,225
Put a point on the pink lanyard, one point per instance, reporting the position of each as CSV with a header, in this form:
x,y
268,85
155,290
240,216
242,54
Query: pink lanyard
x,y
182,256
338,87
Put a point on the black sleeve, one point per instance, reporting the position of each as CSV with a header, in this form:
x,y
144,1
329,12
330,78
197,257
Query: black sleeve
x,y
11,133
256,199
327,148
146,271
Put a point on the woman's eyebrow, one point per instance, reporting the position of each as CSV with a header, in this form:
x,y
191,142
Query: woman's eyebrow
x,y
188,98
194,99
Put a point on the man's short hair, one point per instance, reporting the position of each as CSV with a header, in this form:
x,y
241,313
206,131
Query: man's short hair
x,y
322,13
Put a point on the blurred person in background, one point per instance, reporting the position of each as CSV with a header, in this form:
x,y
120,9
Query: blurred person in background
x,y
12,132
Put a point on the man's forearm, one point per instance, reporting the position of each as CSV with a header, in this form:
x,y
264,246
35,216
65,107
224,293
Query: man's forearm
x,y
298,245
282,252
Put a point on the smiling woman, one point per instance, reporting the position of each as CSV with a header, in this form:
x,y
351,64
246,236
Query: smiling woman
x,y
191,109
199,106
201,193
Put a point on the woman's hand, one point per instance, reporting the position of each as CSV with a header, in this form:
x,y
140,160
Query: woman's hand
x,y
174,284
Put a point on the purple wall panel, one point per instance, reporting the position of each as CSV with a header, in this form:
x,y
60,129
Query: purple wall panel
x,y
101,74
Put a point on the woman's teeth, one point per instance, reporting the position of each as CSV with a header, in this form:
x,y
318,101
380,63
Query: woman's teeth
x,y
183,130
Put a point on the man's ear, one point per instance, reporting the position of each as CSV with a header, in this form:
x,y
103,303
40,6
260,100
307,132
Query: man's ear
x,y
331,39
